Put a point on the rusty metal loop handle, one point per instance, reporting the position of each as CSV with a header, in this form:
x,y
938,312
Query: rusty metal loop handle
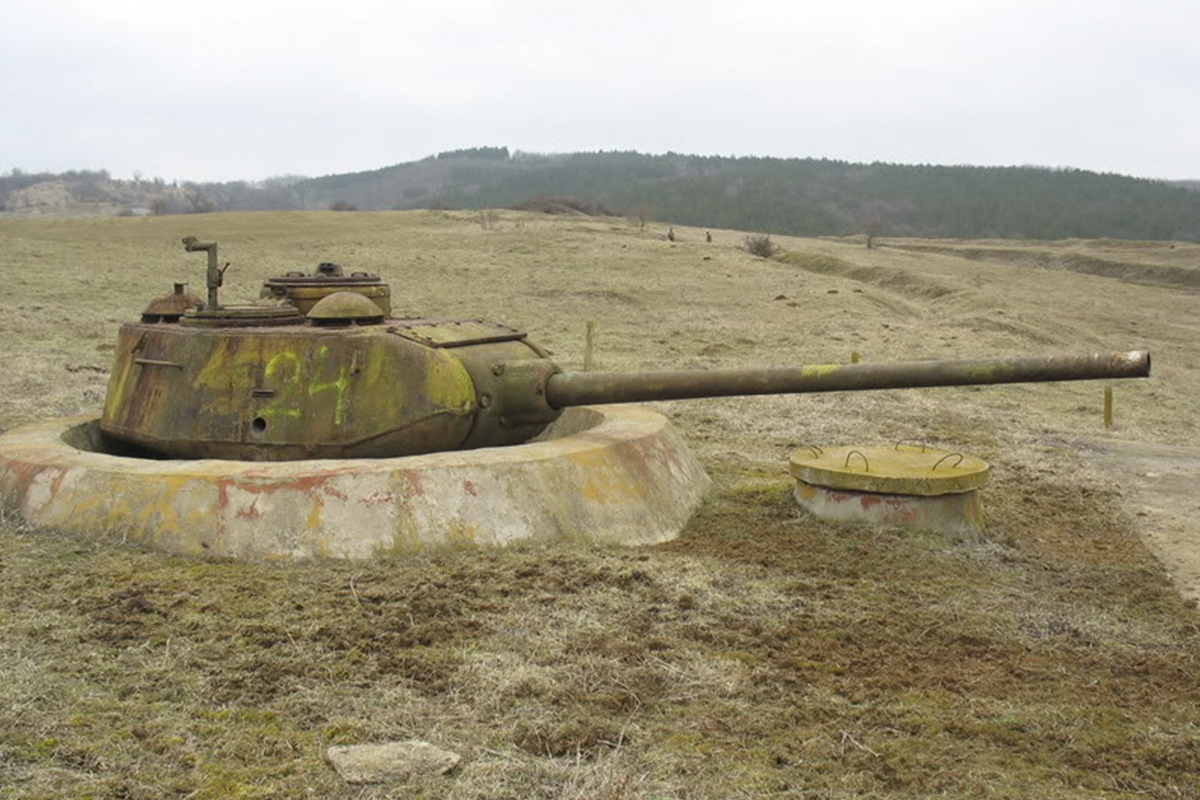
x,y
902,441
867,464
816,451
947,456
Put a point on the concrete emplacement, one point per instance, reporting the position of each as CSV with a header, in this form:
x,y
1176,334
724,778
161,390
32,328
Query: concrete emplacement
x,y
617,474
905,485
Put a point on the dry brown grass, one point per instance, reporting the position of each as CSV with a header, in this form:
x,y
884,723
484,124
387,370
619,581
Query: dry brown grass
x,y
761,654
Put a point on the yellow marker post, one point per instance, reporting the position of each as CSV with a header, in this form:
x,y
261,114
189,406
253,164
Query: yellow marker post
x,y
1107,407
589,346
855,356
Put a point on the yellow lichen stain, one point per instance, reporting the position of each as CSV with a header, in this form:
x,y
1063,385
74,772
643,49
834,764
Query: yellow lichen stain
x,y
322,547
116,386
215,372
602,481
375,367
805,491
447,384
228,373
461,534
160,504
314,516
405,538
973,509
819,370
986,373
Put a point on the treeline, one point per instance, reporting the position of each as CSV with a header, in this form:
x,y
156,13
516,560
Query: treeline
x,y
88,181
798,196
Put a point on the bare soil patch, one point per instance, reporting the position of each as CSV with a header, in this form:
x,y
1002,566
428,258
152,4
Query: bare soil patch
x,y
1160,483
1165,275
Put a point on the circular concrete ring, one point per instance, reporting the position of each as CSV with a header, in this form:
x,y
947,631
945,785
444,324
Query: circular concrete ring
x,y
617,474
953,512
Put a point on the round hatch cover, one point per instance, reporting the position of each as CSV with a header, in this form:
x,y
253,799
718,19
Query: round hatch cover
x,y
243,317
900,469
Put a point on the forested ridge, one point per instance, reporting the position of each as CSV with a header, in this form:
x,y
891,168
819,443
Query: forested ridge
x,y
798,196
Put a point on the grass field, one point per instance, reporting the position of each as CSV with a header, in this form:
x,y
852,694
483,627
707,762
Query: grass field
x,y
760,654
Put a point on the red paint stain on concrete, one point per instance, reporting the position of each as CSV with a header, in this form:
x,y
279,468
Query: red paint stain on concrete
x,y
379,499
410,482
470,487
250,513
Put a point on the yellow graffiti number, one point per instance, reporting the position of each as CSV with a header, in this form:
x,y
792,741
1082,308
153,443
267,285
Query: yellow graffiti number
x,y
339,385
284,405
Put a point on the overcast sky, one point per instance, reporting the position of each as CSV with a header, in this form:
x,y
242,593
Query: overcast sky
x,y
247,89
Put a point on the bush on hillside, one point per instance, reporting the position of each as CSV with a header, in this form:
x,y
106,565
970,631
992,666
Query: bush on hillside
x,y
563,205
760,246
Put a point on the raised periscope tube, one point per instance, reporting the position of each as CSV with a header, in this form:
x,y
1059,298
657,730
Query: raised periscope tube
x,y
595,388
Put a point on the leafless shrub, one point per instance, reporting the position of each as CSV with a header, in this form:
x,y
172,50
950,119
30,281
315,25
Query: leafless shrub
x,y
641,215
342,205
199,201
760,246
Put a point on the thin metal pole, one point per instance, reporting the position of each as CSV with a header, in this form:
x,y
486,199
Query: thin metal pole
x,y
589,347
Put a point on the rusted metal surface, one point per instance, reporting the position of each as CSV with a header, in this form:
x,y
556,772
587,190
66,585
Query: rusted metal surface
x,y
215,275
283,393
591,388
305,291
171,307
304,391
345,308
243,317
455,332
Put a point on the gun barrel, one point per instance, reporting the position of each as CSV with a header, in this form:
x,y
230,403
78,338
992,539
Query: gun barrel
x,y
596,388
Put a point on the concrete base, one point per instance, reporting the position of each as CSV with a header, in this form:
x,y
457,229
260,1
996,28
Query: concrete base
x,y
962,511
618,475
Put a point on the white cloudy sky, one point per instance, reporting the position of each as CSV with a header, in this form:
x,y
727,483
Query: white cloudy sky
x,y
247,88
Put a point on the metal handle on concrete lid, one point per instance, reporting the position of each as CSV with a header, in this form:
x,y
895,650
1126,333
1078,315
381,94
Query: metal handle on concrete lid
x,y
860,454
902,441
948,455
816,451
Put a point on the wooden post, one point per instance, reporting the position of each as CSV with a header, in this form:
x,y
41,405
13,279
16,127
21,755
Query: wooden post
x,y
1107,406
589,347
855,356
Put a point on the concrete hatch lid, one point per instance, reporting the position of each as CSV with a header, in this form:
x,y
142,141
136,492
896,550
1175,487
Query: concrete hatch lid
x,y
899,469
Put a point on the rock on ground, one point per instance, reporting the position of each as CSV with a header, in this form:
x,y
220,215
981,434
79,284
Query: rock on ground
x,y
393,761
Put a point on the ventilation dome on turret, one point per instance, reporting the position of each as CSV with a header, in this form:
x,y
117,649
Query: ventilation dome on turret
x,y
345,308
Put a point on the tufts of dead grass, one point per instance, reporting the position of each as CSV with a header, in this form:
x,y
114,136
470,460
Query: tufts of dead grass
x,y
760,653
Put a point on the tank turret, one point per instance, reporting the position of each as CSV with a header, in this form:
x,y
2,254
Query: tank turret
x,y
319,368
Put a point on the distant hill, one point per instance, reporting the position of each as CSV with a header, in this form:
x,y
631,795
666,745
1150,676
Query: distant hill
x,y
798,196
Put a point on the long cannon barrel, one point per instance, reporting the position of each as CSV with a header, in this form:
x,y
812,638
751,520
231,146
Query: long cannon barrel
x,y
594,388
